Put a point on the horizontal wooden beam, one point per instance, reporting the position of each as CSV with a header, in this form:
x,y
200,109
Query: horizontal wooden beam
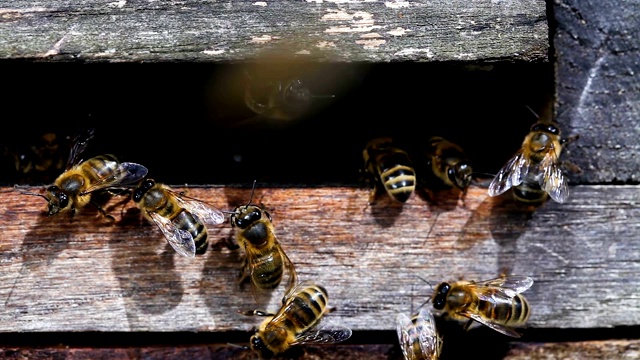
x,y
211,31
94,274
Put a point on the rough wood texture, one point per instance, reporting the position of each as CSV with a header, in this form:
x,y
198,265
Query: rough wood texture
x,y
93,275
198,30
586,350
598,86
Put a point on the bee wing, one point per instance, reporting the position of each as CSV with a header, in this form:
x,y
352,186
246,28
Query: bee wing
x,y
517,283
328,333
125,173
510,175
180,240
427,333
79,145
406,333
553,180
203,211
502,289
293,274
495,326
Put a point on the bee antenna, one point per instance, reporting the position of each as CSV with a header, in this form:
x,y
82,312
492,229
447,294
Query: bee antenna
x,y
533,112
33,194
253,189
239,346
425,280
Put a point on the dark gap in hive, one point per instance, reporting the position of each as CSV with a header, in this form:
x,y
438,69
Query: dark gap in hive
x,y
185,121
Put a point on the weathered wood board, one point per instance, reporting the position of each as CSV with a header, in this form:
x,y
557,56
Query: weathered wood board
x,y
598,86
93,275
619,349
200,30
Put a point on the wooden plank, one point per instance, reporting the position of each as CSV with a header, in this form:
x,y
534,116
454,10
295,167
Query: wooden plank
x,y
592,350
213,31
597,45
94,275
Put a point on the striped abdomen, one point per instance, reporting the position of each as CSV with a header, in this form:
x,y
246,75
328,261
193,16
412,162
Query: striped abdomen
x,y
529,191
305,308
514,314
396,174
186,221
99,167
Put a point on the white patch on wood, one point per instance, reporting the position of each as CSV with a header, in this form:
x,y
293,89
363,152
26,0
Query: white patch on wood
x,y
593,73
411,51
262,39
303,52
371,41
397,4
109,52
118,4
325,44
260,3
213,52
464,56
398,31
360,21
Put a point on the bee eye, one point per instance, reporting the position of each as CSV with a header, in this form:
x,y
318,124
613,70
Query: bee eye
x,y
553,130
268,215
248,219
148,184
536,127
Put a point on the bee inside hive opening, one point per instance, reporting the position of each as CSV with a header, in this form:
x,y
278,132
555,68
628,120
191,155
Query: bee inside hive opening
x,y
224,124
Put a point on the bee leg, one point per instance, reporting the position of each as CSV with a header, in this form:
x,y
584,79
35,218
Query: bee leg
x,y
468,325
104,213
231,243
72,213
255,313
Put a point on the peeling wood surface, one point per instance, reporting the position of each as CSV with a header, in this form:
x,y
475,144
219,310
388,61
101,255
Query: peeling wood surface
x,y
93,275
214,31
598,86
579,350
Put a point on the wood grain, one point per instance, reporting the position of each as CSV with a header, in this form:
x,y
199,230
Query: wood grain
x,y
241,30
598,89
97,275
588,350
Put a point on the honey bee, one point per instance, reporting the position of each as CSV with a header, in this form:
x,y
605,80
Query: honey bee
x,y
418,336
72,190
449,163
297,322
264,261
181,219
280,100
496,303
391,168
534,170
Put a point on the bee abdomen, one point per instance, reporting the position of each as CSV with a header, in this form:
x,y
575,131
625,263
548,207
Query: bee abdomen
x,y
186,221
268,272
520,310
100,167
529,194
309,306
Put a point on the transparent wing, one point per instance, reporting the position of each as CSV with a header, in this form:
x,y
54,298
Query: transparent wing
x,y
125,173
427,334
553,180
80,142
502,289
181,240
495,326
329,333
406,336
510,175
203,211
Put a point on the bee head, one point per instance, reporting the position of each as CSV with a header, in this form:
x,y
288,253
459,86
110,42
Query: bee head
x,y
246,215
460,175
440,297
545,127
142,189
58,200
260,347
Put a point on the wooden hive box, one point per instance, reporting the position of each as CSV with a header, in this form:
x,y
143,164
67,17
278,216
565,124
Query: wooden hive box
x,y
163,85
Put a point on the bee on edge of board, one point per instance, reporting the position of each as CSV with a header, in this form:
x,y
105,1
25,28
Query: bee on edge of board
x,y
390,168
72,190
264,259
181,219
534,171
418,336
297,322
496,303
